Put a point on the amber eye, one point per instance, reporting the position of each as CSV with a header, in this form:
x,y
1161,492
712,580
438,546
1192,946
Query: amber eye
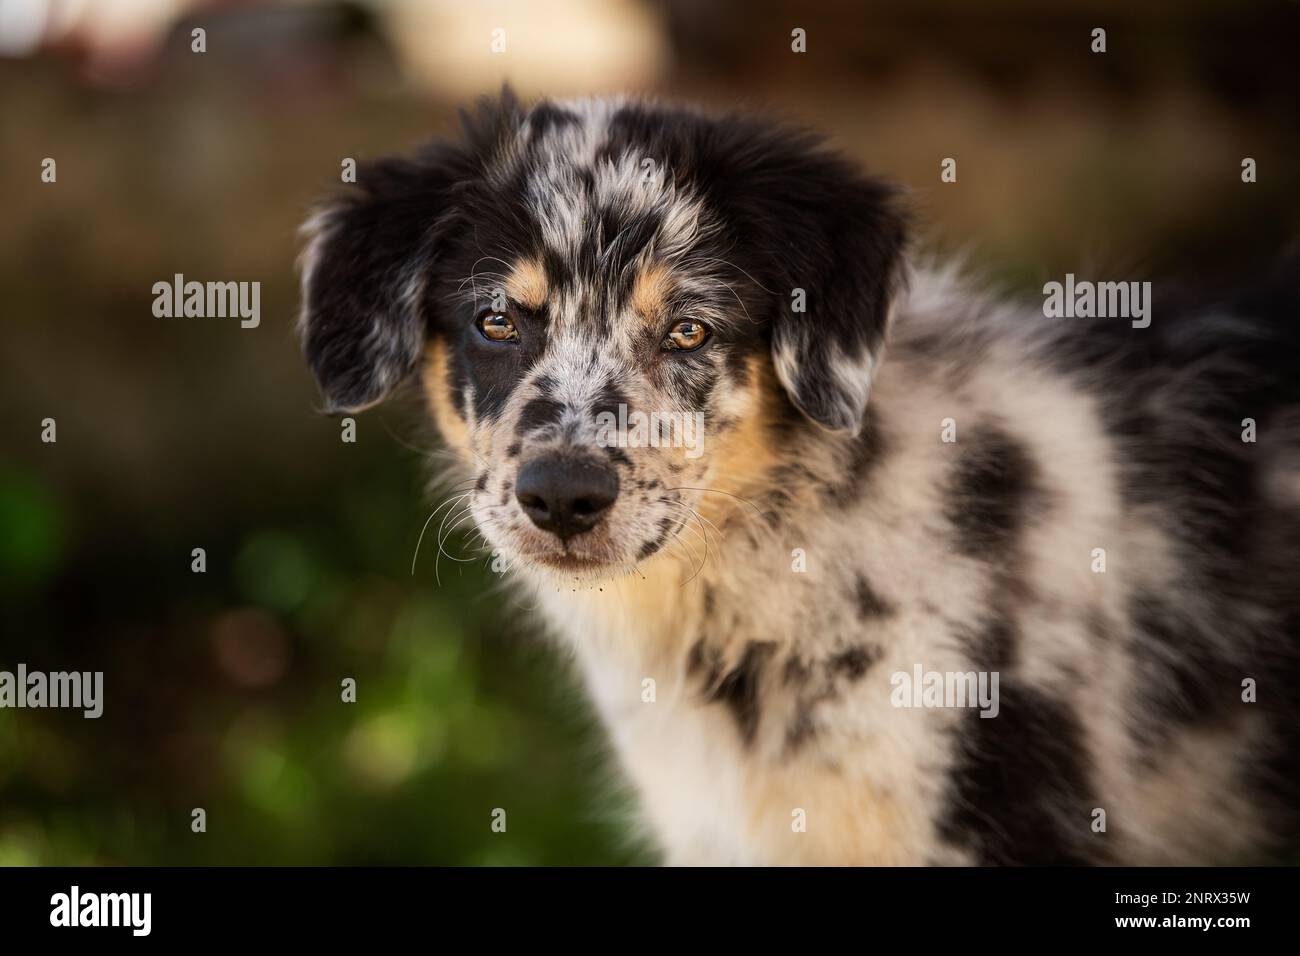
x,y
497,327
686,336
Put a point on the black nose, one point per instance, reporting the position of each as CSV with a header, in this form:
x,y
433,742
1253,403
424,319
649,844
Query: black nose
x,y
564,494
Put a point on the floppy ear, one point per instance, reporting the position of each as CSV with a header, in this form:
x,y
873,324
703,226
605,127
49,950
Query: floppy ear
x,y
839,237
368,265
364,276
827,355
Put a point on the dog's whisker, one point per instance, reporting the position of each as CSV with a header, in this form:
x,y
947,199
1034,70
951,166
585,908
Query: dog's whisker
x,y
676,538
465,515
420,540
707,551
703,537
459,518
718,491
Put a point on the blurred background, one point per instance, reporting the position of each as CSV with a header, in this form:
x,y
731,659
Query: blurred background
x,y
223,688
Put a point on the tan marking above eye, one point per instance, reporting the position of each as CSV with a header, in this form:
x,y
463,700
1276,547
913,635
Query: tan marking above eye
x,y
686,335
527,284
650,292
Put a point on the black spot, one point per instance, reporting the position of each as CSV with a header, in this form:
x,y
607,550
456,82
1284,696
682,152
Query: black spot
x,y
1186,681
514,449
1020,792
545,117
813,686
994,642
796,672
738,688
991,493
870,604
608,401
855,661
539,413
618,455
703,660
481,483
801,729
616,241
559,275
653,545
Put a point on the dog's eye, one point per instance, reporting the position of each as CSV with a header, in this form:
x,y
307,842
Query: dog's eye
x,y
686,336
497,327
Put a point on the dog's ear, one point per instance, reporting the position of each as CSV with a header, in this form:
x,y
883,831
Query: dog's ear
x,y
364,275
834,242
369,262
848,259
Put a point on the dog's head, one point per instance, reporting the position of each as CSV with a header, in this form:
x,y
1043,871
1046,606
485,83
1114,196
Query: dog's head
x,y
600,296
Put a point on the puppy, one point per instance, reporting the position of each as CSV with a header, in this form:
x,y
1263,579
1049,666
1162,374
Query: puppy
x,y
1022,592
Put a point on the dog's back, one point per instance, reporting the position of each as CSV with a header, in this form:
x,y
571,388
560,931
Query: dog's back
x,y
1181,457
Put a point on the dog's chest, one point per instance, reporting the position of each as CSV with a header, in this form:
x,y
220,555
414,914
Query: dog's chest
x,y
744,757
691,777
682,755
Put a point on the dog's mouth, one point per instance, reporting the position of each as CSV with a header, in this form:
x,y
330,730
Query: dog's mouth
x,y
572,557
571,562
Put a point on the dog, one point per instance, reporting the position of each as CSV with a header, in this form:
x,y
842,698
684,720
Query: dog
x,y
942,580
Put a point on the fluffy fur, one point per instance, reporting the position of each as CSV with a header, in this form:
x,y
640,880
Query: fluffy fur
x,y
828,537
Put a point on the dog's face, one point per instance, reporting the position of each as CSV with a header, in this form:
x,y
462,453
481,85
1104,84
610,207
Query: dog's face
x,y
606,301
